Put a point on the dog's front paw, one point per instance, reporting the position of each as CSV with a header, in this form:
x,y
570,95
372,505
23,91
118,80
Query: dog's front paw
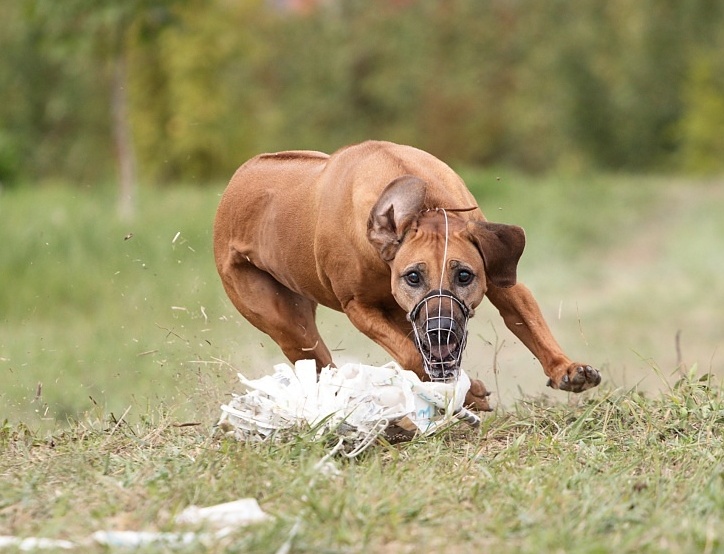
x,y
477,397
576,378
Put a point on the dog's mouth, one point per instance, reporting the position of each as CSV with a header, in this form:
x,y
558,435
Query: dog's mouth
x,y
440,323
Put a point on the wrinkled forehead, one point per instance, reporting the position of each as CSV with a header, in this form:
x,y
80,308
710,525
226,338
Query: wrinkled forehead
x,y
433,228
428,245
437,220
435,224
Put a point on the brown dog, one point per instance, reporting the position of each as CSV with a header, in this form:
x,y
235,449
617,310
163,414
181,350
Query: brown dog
x,y
392,237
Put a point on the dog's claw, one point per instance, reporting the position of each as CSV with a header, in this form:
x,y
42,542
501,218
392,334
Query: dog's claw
x,y
578,378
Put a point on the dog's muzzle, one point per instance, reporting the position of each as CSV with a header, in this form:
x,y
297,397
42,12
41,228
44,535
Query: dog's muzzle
x,y
440,325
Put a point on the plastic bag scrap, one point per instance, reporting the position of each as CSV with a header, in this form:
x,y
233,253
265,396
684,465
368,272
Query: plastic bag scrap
x,y
35,543
244,511
357,401
219,521
223,519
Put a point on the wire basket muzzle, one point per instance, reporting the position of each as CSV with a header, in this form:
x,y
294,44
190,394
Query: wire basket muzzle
x,y
440,328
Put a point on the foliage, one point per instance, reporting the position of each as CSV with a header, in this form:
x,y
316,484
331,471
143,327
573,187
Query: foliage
x,y
539,85
193,94
703,144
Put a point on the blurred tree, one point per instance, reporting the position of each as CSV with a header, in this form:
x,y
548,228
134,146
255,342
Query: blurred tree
x,y
702,125
195,87
103,30
701,122
43,132
198,94
13,128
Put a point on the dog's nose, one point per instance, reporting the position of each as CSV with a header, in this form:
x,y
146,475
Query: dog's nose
x,y
441,329
442,338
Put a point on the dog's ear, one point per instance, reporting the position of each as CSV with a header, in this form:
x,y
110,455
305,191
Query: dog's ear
x,y
395,211
501,246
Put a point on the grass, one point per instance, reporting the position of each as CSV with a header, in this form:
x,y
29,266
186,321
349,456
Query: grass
x,y
618,472
115,335
98,312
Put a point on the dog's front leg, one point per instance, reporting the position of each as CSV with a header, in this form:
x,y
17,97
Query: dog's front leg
x,y
392,331
523,317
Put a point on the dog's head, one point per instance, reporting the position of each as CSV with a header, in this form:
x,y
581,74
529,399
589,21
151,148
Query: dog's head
x,y
441,265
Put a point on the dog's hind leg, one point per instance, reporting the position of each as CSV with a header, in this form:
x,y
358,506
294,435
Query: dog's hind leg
x,y
287,317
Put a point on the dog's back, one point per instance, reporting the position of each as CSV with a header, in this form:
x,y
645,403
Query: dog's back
x,y
296,214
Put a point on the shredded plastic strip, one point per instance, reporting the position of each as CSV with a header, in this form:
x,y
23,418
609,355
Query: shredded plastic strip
x,y
359,402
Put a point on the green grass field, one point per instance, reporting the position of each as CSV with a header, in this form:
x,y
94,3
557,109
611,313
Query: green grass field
x,y
617,473
112,334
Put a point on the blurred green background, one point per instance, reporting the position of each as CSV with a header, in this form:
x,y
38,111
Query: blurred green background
x,y
598,126
539,84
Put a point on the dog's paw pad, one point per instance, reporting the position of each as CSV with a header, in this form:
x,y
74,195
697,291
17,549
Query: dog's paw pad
x,y
577,378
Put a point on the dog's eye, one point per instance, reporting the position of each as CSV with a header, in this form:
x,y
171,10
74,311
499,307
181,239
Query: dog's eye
x,y
413,278
465,277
